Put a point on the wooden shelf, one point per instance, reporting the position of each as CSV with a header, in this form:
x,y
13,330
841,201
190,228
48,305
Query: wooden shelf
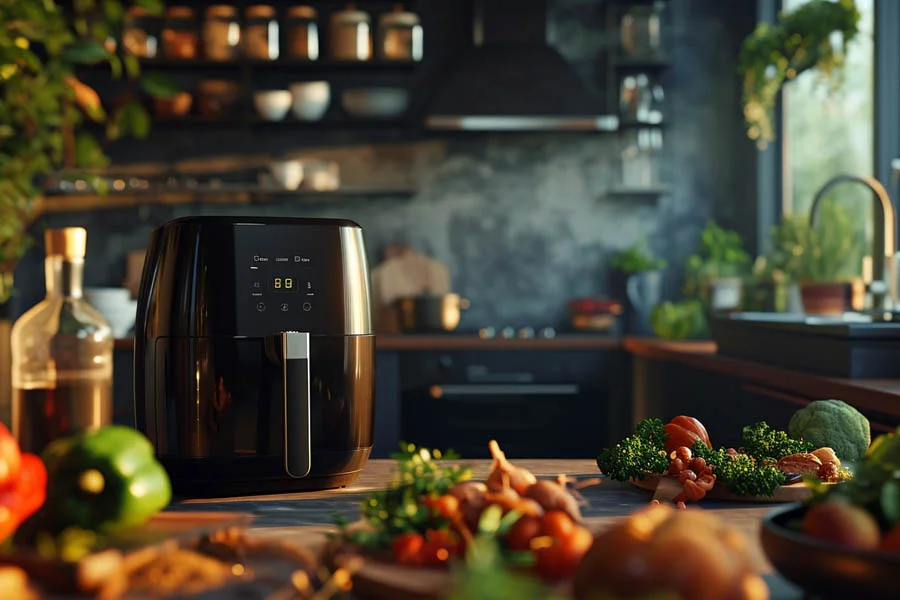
x,y
53,203
192,121
280,64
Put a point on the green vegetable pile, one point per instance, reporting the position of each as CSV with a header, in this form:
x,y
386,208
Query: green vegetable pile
x,y
643,453
835,424
638,455
397,509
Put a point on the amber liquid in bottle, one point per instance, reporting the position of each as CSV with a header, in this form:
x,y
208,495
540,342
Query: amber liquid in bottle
x,y
62,352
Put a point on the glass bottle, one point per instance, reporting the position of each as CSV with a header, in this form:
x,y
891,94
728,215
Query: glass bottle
x,y
62,353
400,35
302,33
261,33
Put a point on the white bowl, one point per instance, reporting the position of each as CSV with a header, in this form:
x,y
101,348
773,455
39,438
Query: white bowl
x,y
287,173
273,105
375,102
310,99
116,305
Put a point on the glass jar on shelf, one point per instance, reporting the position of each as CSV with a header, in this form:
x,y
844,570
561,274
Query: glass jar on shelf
x,y
640,155
62,352
640,30
400,35
302,33
350,35
179,37
140,33
221,33
640,99
261,33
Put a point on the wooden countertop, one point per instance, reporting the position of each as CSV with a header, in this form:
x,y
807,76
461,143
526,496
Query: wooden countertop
x,y
455,341
306,518
881,395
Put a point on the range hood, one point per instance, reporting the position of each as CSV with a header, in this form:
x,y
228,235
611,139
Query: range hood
x,y
511,79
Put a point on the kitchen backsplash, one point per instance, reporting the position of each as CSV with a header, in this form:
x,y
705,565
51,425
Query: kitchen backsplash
x,y
523,220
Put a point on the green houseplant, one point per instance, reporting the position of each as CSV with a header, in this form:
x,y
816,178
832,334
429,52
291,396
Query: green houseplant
x,y
714,274
819,257
44,104
776,53
644,283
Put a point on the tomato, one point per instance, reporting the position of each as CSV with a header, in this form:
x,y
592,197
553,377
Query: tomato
x,y
447,506
557,524
10,458
685,431
560,560
890,541
440,545
522,532
407,548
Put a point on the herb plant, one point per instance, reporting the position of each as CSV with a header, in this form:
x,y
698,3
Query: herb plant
x,y
775,54
741,473
637,258
638,455
762,442
43,103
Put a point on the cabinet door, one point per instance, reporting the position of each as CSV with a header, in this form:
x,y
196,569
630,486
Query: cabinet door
x,y
387,404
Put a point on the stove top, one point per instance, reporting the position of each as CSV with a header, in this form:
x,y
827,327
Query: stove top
x,y
511,333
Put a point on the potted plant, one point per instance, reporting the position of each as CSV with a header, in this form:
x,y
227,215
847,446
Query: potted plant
x,y
820,257
776,53
715,274
768,288
643,285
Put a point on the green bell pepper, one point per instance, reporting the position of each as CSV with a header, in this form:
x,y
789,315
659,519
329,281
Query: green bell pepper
x,y
104,479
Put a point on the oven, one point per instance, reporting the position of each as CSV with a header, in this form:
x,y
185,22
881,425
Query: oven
x,y
535,403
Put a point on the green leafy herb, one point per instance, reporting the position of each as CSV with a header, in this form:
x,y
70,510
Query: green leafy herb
x,y
764,443
741,473
398,509
636,456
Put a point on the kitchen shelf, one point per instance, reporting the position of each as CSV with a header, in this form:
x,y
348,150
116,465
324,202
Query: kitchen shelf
x,y
641,64
226,194
637,192
280,64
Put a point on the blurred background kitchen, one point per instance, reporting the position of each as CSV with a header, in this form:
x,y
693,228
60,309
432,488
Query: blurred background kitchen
x,y
553,174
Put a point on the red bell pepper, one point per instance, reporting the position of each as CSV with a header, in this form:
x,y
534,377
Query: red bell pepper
x,y
24,497
685,431
10,458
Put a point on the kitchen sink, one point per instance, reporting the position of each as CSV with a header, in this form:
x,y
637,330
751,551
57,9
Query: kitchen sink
x,y
850,345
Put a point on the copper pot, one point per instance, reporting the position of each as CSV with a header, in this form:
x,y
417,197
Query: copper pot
x,y
430,313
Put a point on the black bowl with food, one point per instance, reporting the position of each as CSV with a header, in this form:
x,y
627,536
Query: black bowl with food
x,y
826,568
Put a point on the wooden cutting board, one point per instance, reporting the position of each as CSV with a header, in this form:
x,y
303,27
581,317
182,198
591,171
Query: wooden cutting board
x,y
665,491
102,572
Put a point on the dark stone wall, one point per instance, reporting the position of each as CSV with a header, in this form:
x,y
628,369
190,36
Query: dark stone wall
x,y
523,220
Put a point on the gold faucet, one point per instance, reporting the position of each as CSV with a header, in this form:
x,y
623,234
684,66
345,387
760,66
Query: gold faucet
x,y
883,282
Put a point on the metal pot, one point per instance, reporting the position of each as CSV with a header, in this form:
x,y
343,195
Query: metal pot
x,y
429,313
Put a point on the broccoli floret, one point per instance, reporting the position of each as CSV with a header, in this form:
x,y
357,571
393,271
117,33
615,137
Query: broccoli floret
x,y
741,473
641,453
766,444
833,424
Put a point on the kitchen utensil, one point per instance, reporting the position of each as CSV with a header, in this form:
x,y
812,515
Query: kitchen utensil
x,y
273,105
823,569
350,35
116,305
255,355
311,99
644,291
379,103
287,173
425,314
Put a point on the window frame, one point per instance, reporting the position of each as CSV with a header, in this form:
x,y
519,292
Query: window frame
x,y
886,137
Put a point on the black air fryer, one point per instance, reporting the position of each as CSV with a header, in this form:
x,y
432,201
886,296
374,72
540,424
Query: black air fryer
x,y
254,359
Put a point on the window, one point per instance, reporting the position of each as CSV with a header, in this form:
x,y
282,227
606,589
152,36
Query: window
x,y
824,134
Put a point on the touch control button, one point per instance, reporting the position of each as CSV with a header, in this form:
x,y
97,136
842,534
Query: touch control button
x,y
261,306
307,306
284,307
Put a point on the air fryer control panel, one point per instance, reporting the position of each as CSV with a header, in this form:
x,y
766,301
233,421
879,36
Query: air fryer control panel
x,y
287,279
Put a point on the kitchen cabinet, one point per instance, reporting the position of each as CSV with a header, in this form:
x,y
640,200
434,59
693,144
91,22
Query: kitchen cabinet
x,y
387,404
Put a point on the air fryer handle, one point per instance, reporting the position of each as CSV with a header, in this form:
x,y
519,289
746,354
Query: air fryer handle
x,y
295,369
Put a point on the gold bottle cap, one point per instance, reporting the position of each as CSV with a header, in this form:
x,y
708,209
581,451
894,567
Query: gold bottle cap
x,y
69,242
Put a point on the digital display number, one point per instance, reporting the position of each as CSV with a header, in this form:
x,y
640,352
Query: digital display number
x,y
284,284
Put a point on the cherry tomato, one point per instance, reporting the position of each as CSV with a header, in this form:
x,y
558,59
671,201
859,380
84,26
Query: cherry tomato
x,y
522,532
10,458
557,524
407,548
560,560
440,545
447,506
430,501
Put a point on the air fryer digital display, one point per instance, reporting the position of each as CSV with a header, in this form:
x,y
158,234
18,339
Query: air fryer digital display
x,y
281,279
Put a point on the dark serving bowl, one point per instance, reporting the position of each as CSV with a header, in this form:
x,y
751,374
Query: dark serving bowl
x,y
825,569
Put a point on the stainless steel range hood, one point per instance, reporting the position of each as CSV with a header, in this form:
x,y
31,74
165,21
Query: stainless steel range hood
x,y
511,79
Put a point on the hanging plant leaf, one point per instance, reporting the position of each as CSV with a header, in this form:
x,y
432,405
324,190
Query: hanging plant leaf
x,y
85,52
154,7
159,85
